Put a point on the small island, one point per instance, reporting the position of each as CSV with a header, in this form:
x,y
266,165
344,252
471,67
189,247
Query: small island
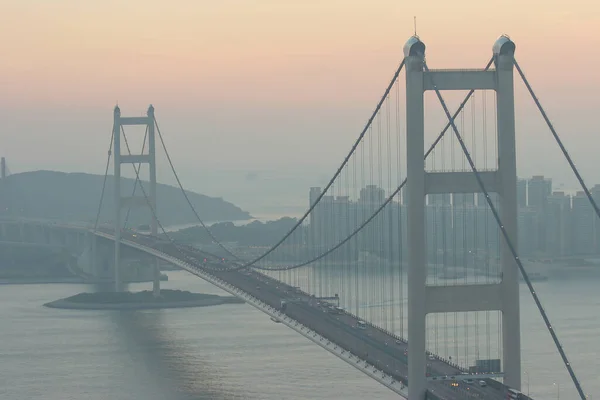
x,y
140,300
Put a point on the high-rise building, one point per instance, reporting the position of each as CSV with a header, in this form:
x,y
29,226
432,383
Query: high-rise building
x,y
438,232
528,228
522,193
461,199
558,224
595,192
372,194
438,199
315,218
482,202
538,190
583,217
464,227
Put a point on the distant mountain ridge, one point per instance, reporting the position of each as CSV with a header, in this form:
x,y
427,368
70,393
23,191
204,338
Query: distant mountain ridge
x,y
75,197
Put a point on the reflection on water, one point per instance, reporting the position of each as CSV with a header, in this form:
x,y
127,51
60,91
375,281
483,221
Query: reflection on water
x,y
233,351
173,367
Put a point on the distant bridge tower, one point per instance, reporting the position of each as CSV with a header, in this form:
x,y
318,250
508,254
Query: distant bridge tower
x,y
2,168
423,299
120,201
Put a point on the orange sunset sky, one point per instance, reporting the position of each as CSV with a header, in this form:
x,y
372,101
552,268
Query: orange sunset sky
x,y
253,79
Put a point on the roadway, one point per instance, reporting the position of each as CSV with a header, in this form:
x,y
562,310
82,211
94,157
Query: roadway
x,y
372,344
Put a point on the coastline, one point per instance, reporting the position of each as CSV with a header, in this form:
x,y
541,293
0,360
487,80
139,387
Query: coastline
x,y
64,280
38,281
140,301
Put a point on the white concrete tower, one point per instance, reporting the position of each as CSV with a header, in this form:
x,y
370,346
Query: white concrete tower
x,y
121,202
117,194
414,57
2,168
154,223
423,299
504,51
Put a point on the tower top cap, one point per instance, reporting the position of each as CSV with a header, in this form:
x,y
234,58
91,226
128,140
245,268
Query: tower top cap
x,y
414,47
504,46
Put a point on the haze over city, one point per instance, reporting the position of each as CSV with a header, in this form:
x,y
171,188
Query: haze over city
x,y
237,85
208,199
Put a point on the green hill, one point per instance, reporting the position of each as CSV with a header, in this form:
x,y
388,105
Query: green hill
x,y
75,197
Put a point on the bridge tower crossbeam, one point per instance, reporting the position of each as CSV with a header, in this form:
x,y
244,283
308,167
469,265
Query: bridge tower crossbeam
x,y
133,201
422,298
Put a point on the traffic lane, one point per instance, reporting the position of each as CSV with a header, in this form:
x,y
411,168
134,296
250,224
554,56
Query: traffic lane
x,y
438,366
373,351
349,340
346,337
352,339
339,333
359,341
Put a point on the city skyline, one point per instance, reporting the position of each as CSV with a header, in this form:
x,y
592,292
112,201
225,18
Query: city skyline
x,y
551,223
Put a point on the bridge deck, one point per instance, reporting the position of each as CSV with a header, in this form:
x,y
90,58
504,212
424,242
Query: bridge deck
x,y
372,344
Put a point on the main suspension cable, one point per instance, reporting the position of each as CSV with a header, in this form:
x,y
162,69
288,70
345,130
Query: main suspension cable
x,y
377,211
509,243
104,181
187,199
382,206
318,199
153,211
388,200
558,140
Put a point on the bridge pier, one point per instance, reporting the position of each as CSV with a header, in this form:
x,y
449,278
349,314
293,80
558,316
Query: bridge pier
x,y
414,53
147,201
152,205
507,166
424,299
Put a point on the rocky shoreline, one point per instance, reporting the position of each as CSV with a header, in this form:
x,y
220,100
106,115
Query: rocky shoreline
x,y
140,300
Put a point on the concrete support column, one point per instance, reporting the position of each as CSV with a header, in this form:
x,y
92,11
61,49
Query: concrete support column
x,y
117,195
154,222
2,168
94,254
414,53
119,159
507,167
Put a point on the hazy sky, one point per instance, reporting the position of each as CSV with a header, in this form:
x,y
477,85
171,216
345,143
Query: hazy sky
x,y
272,84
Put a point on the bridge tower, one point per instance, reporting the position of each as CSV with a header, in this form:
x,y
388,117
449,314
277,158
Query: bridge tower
x,y
2,168
424,299
132,201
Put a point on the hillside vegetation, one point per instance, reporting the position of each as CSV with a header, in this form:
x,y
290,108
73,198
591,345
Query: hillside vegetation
x,y
75,197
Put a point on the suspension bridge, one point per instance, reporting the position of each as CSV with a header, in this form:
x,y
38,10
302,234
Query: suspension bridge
x,y
406,263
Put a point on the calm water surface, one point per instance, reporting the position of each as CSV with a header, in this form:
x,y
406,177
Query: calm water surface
x,y
236,352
